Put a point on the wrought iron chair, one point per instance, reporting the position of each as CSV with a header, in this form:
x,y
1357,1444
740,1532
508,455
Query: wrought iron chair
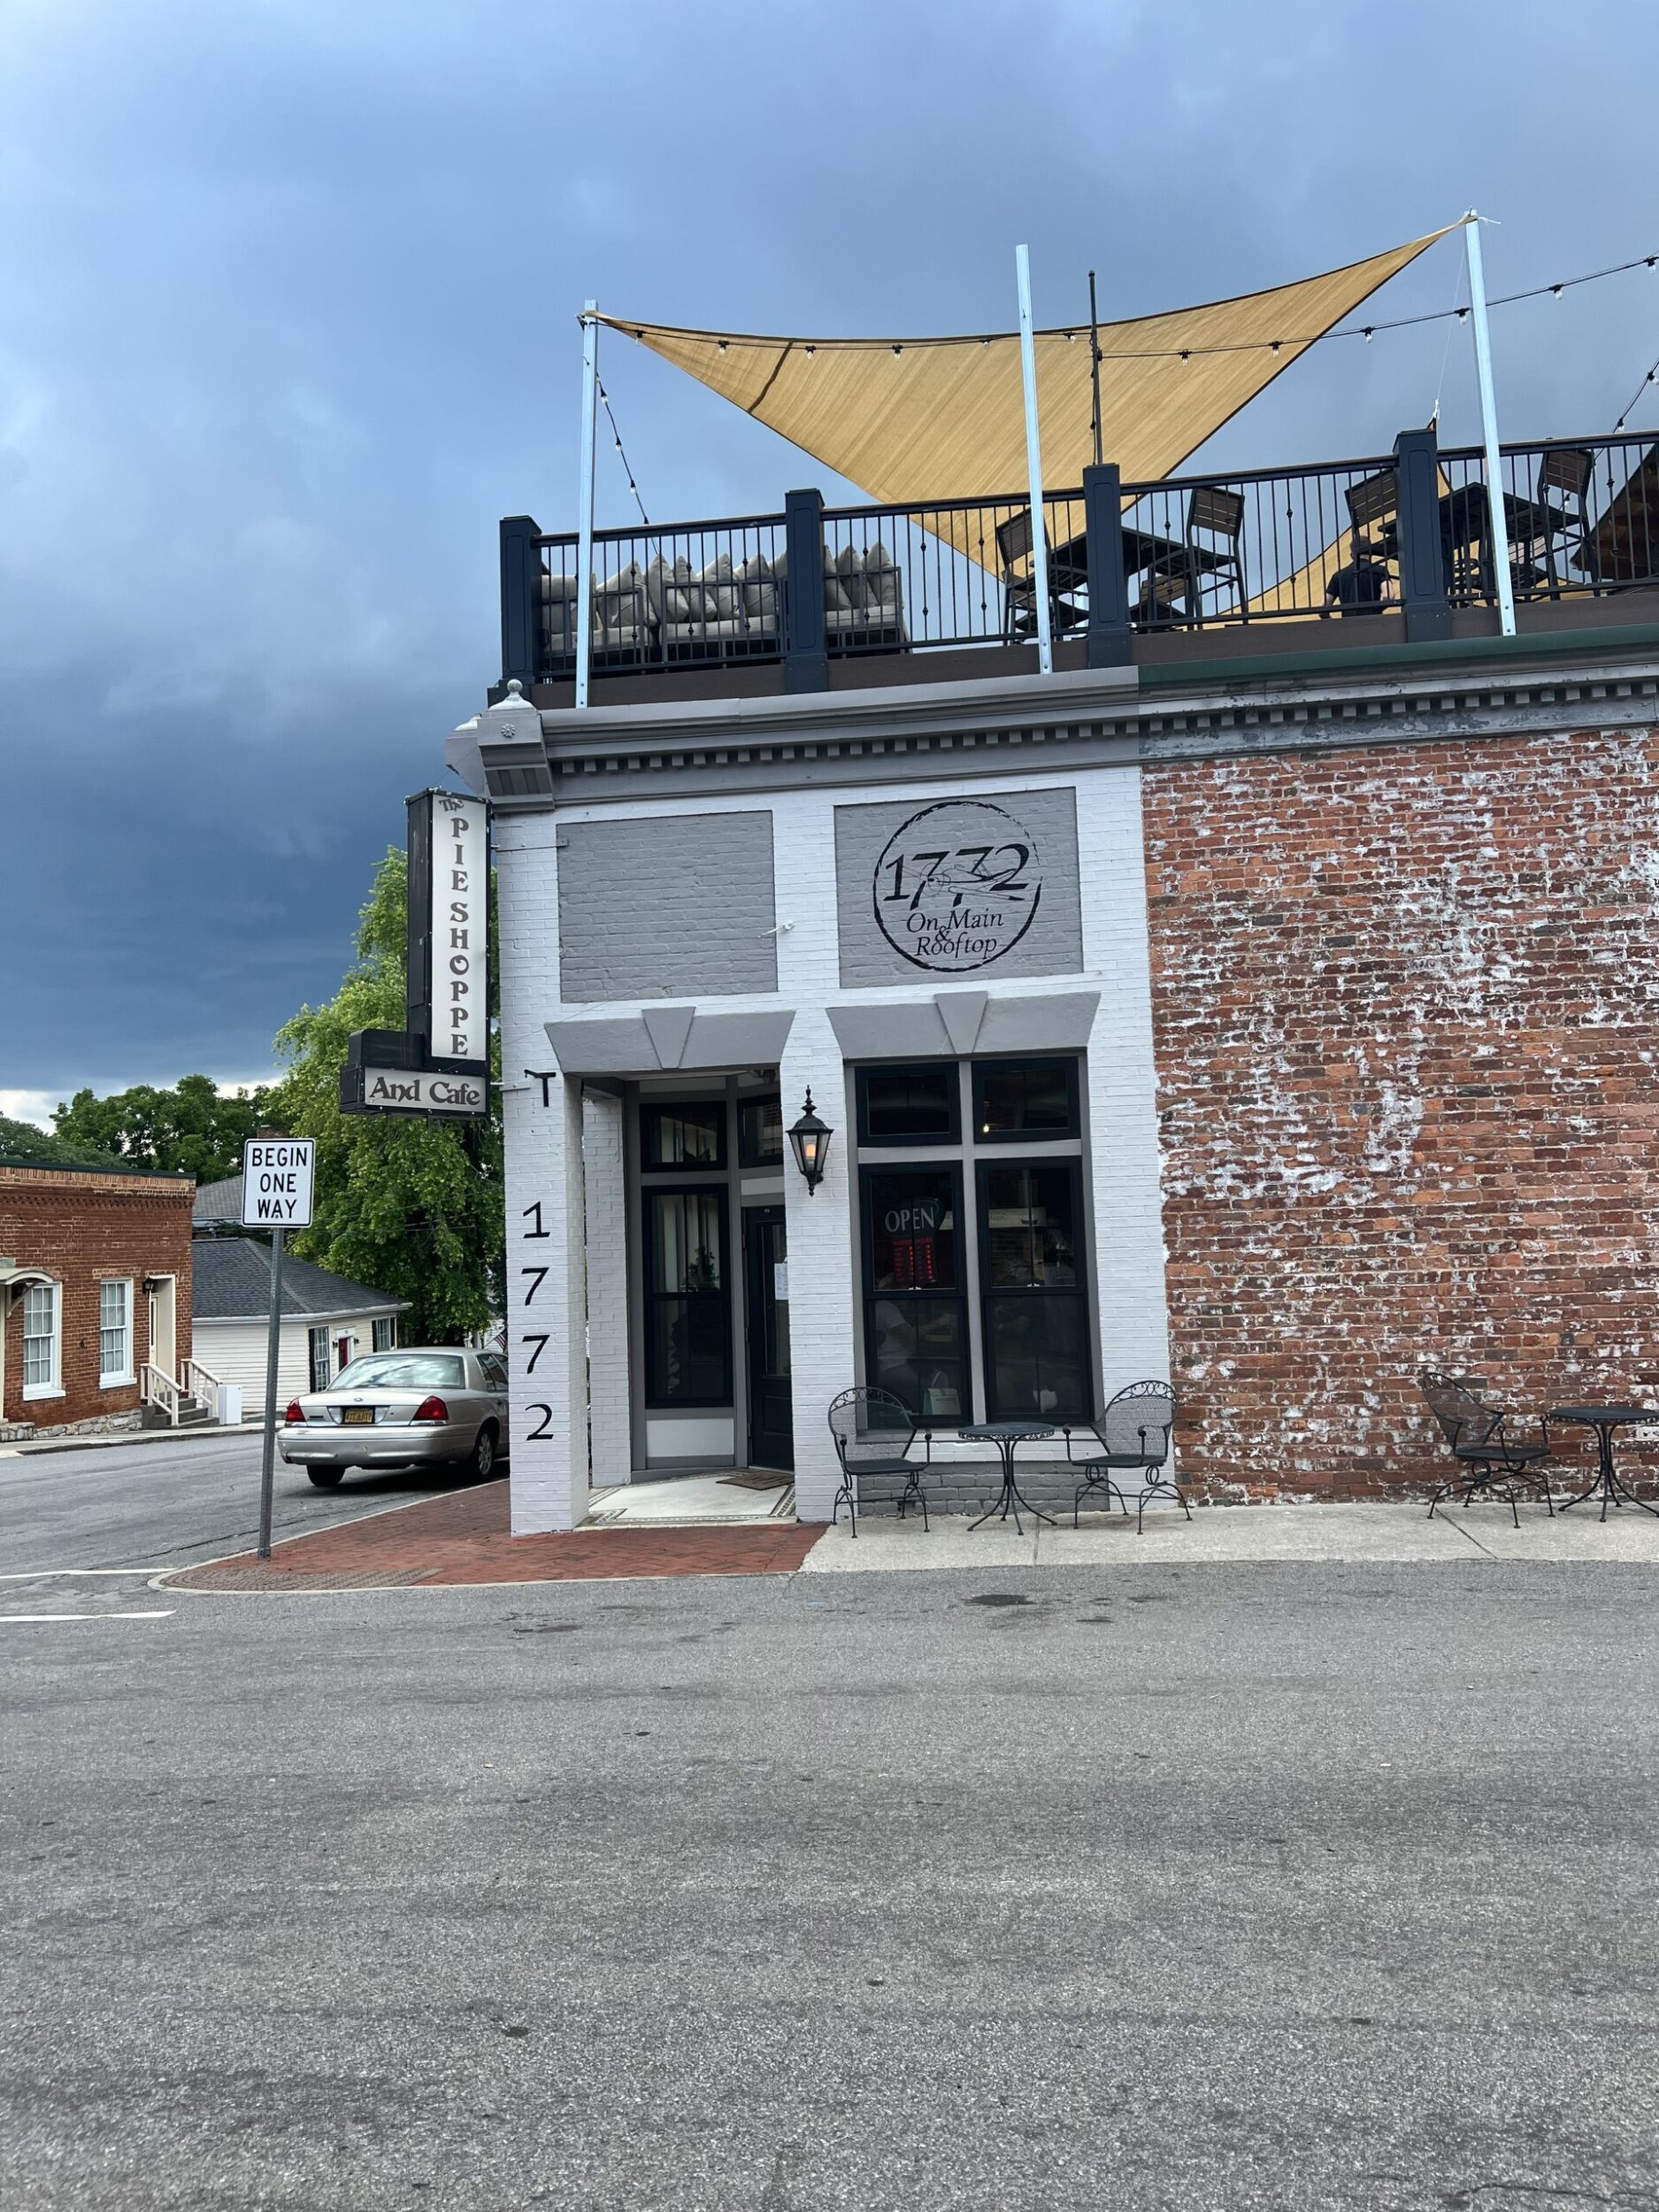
x,y
1133,1434
874,1435
1491,1457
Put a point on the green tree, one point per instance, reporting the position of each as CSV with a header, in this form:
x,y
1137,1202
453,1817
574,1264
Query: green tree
x,y
43,1148
414,1208
193,1129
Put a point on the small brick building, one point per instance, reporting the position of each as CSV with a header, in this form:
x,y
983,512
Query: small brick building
x,y
95,1283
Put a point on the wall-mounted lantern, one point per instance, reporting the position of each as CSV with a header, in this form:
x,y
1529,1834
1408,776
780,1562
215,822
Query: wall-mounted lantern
x,y
810,1139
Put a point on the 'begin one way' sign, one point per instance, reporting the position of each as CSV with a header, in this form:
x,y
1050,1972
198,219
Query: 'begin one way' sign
x,y
276,1182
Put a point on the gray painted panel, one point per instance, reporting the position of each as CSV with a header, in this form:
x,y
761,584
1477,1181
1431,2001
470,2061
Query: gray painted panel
x,y
737,1041
675,907
966,888
890,1033
601,1047
1058,1021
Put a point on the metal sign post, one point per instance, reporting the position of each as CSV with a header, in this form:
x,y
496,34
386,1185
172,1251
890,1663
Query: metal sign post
x,y
1497,519
1033,464
277,1174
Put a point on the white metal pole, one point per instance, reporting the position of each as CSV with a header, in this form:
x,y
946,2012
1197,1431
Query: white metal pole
x,y
585,509
1033,464
1497,516
272,1351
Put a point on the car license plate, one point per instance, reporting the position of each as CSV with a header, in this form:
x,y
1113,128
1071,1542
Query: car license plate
x,y
358,1416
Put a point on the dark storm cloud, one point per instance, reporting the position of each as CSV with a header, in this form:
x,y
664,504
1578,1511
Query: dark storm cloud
x,y
289,293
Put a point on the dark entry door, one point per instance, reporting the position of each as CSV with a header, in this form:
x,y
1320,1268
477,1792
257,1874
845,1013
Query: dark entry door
x,y
766,1322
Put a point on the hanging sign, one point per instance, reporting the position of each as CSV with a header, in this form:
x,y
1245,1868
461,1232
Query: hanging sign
x,y
448,925
369,1089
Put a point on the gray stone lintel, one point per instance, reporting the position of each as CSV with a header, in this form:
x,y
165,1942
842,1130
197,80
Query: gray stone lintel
x,y
921,1029
669,1037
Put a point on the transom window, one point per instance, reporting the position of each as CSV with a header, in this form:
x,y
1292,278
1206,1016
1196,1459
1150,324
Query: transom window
x,y
40,1340
760,1133
1012,1228
692,1134
115,1333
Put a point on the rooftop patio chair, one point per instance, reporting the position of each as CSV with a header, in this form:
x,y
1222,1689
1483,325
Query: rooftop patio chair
x,y
1215,524
1564,501
874,1436
1372,503
697,611
1014,550
1492,1457
1133,1434
623,624
557,596
1162,604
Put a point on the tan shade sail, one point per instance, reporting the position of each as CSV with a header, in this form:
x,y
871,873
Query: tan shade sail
x,y
931,420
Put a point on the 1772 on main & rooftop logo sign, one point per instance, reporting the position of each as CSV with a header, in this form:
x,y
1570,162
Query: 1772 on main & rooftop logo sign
x,y
438,1066
973,886
957,885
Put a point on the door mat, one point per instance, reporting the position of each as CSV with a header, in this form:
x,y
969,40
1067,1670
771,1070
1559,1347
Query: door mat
x,y
757,1482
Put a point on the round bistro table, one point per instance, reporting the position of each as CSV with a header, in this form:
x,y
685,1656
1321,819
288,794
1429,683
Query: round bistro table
x,y
1604,1420
1005,1435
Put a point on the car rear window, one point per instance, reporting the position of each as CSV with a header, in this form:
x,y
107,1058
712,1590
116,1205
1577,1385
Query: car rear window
x,y
401,1371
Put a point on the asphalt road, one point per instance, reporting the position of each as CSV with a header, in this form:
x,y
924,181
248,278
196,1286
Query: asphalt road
x,y
171,1504
1145,1887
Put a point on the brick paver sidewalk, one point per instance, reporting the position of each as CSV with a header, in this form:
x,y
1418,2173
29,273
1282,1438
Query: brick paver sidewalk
x,y
464,1538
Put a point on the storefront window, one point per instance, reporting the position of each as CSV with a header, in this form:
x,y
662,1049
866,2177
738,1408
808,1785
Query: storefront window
x,y
687,1299
915,1317
682,1136
1024,1098
760,1133
1036,1339
909,1105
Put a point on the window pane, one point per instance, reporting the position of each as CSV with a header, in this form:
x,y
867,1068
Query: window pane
x,y
114,1302
685,1136
390,1370
686,1344
318,1339
913,1228
1032,1098
903,1105
915,1351
1028,1234
40,1307
1036,1358
686,1239
760,1133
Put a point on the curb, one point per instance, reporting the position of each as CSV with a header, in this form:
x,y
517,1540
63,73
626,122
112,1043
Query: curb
x,y
106,1442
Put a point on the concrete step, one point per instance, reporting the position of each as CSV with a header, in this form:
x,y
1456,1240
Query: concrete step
x,y
190,1417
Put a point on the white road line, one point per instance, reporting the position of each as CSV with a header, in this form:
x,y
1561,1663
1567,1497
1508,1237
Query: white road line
x,y
167,1616
48,1574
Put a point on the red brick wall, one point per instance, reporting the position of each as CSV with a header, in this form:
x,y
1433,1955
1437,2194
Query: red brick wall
x,y
1406,1003
81,1227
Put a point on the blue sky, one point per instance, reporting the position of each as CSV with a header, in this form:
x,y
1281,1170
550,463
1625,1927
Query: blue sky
x,y
286,299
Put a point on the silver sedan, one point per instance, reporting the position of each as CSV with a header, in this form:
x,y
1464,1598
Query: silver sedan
x,y
434,1405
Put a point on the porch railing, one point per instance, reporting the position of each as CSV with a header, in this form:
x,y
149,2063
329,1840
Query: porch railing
x,y
1403,534
156,1388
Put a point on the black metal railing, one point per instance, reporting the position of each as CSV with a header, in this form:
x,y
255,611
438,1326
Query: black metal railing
x,y
1403,534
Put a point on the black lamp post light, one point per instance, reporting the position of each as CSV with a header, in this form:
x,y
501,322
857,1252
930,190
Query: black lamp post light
x,y
810,1139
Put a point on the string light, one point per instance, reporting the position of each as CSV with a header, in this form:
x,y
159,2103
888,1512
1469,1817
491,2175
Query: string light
x,y
1268,345
1631,403
605,401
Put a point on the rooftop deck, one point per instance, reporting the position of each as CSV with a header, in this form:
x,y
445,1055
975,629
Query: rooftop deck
x,y
1394,548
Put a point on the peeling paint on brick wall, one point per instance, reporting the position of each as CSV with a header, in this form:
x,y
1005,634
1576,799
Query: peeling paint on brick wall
x,y
1405,1007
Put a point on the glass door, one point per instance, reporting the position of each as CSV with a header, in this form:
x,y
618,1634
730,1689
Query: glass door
x,y
766,1327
